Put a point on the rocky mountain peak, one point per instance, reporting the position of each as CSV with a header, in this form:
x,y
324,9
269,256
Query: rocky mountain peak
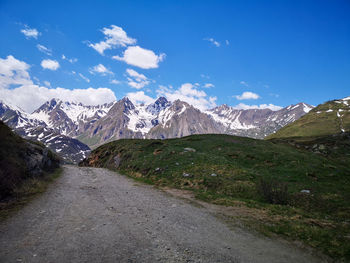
x,y
160,104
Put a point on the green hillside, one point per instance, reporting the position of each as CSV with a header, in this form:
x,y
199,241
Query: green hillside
x,y
302,195
22,160
326,119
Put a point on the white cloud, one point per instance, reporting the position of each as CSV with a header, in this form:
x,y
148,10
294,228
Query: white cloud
x,y
84,78
140,57
244,83
114,37
13,72
100,69
190,94
205,76
136,75
209,85
115,81
71,60
274,95
136,80
30,32
247,95
44,49
50,64
47,83
139,97
213,41
242,106
30,96
227,42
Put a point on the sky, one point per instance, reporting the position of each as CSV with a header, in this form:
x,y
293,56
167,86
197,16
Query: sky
x,y
247,54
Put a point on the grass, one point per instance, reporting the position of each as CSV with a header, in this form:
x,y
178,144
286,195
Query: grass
x,y
326,119
26,192
17,160
228,170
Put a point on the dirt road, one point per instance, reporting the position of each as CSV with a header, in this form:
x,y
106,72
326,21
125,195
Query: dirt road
x,y
95,215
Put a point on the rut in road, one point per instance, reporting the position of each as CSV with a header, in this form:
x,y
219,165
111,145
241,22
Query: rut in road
x,y
95,215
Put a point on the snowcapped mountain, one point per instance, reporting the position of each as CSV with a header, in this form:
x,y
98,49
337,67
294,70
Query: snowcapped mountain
x,y
182,119
95,125
329,118
257,123
15,117
65,117
30,127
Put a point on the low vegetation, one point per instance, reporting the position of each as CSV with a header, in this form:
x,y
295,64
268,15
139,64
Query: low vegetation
x,y
26,191
294,192
25,169
329,118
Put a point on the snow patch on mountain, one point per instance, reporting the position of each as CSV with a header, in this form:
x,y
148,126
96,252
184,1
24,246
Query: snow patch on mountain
x,y
140,119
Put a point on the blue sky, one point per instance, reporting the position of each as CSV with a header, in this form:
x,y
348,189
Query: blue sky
x,y
206,52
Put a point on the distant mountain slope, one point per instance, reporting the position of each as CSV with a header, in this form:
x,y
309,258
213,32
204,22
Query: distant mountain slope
x,y
66,117
182,119
257,123
328,118
21,159
26,125
164,119
95,125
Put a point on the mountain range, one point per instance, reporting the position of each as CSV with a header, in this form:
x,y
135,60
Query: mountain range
x,y
70,128
329,118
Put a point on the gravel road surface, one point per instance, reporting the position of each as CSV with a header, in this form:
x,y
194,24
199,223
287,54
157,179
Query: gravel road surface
x,y
95,215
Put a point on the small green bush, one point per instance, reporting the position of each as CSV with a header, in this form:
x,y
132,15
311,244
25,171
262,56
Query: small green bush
x,y
273,191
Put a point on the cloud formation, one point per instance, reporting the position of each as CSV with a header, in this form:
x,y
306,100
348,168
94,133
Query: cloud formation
x,y
247,95
139,97
29,96
50,64
136,80
213,41
100,69
242,106
209,85
71,60
190,94
13,72
30,32
140,57
115,81
115,36
84,78
44,49
244,83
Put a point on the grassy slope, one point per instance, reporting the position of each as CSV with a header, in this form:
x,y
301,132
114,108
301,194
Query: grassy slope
x,y
27,191
13,166
318,122
320,219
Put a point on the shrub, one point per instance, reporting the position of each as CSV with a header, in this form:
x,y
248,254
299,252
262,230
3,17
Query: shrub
x,y
273,191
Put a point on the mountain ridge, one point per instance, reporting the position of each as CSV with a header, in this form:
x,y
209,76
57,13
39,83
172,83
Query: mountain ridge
x,y
95,125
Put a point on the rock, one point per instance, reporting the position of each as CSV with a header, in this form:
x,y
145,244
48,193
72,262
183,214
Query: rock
x,y
116,161
187,149
185,175
177,163
213,174
322,147
305,191
157,169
